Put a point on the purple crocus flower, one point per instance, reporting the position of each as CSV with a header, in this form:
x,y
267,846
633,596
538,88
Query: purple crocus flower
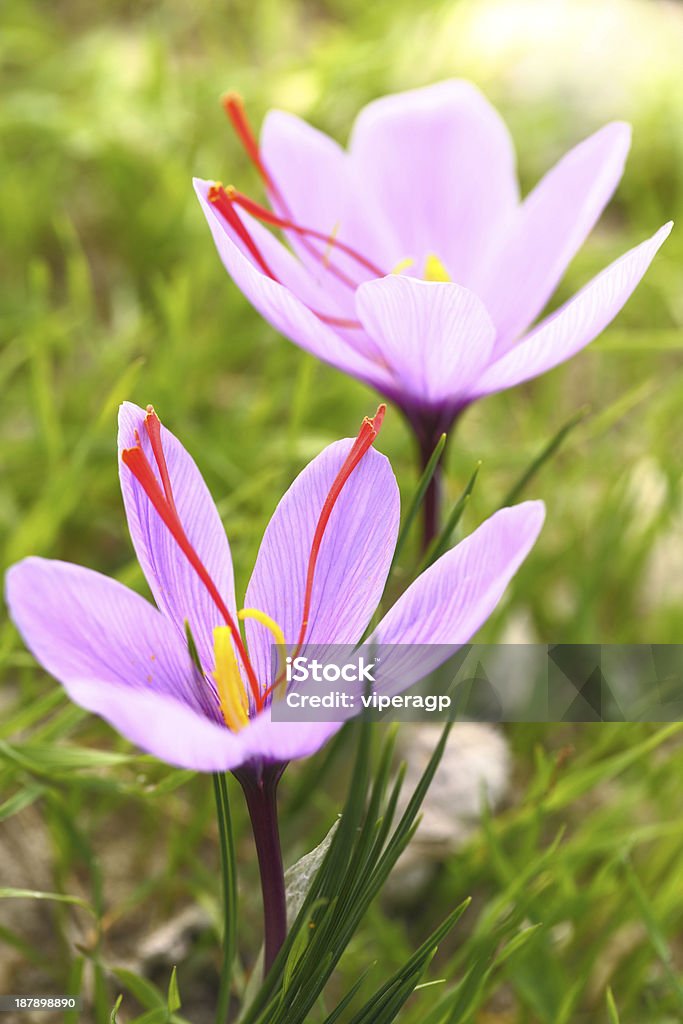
x,y
179,680
318,578
412,263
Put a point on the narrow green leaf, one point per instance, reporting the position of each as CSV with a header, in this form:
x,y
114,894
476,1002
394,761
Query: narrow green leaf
x,y
552,446
74,987
612,1011
35,711
387,1004
47,759
333,1017
192,647
518,942
57,897
173,996
656,935
27,951
23,798
442,541
147,994
418,496
391,996
101,993
229,888
570,787
156,1016
328,877
299,947
113,1017
356,865
399,839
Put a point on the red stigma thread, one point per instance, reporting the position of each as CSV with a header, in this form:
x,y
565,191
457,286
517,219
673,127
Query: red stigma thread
x,y
366,437
234,108
369,430
153,428
266,215
224,202
163,502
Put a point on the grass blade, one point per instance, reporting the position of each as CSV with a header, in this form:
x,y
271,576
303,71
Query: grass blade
x,y
229,886
443,540
552,446
418,496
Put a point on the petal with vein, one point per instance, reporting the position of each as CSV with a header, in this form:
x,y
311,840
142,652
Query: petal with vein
x,y
177,589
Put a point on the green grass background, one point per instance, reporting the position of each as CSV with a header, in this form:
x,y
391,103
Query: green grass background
x,y
111,289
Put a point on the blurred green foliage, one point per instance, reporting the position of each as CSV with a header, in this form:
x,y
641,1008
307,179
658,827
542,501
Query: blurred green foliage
x,y
112,290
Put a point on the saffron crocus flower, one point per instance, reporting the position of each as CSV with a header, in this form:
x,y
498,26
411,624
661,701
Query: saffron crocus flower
x,y
412,264
318,578
179,680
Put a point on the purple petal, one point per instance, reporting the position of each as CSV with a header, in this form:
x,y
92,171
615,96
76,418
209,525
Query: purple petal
x,y
118,657
162,726
575,324
437,337
289,271
278,742
297,154
452,599
549,229
354,558
285,310
173,732
177,589
439,164
81,625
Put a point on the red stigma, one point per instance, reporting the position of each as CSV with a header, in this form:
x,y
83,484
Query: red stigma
x,y
161,498
153,428
219,198
224,201
233,105
369,430
367,434
269,217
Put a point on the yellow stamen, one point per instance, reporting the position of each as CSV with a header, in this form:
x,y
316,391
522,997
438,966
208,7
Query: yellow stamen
x,y
327,256
231,693
435,270
403,265
278,636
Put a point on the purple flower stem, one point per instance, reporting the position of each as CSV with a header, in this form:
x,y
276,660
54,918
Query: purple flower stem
x,y
260,792
431,506
433,498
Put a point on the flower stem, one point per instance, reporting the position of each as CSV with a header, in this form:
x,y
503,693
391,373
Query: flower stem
x,y
261,796
431,504
229,881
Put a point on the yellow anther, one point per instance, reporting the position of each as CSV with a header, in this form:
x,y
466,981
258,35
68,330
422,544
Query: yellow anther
x,y
327,256
278,636
231,693
403,265
435,270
